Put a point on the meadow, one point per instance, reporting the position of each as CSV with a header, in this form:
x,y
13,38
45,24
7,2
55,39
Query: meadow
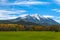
x,y
30,35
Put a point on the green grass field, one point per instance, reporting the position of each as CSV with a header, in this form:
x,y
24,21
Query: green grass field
x,y
29,35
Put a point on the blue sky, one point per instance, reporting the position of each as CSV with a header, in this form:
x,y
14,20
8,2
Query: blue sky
x,y
10,9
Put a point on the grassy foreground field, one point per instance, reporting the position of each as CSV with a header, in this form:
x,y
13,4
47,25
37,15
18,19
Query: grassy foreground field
x,y
29,35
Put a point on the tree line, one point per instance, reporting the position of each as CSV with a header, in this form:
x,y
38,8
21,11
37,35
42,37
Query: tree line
x,y
19,27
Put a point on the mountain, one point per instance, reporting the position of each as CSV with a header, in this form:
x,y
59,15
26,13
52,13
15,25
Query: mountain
x,y
31,20
35,19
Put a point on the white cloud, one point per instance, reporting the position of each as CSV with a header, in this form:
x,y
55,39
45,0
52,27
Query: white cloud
x,y
56,18
56,10
12,12
5,17
57,21
23,15
48,16
4,14
57,2
5,2
30,3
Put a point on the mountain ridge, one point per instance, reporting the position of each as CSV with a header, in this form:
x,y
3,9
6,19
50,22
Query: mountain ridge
x,y
31,20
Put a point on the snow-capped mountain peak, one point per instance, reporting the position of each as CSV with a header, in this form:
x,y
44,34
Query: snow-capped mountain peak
x,y
32,15
36,16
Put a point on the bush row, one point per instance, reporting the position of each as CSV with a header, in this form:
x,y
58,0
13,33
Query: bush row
x,y
19,27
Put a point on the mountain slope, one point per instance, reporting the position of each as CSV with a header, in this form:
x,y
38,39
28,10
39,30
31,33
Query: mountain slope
x,y
37,19
31,20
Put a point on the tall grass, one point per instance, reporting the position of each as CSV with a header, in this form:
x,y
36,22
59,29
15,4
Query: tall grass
x,y
30,35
